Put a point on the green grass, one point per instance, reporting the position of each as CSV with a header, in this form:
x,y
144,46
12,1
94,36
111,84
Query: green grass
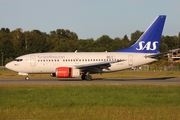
x,y
105,102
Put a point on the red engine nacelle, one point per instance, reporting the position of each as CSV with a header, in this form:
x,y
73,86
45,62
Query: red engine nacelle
x,y
66,72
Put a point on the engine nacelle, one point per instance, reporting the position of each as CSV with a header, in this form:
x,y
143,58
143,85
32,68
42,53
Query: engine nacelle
x,y
66,72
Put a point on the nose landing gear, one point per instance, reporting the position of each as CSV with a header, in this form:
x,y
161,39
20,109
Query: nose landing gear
x,y
27,78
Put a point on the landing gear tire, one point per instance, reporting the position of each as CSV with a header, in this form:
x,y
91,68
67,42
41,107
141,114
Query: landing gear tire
x,y
88,77
27,78
83,77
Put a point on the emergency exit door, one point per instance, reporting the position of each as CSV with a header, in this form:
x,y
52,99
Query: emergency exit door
x,y
32,60
130,60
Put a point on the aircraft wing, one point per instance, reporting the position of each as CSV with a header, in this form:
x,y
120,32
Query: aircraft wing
x,y
96,67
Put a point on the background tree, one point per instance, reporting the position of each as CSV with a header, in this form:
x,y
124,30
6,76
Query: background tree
x,y
27,38
6,45
18,42
178,39
104,43
135,36
171,41
37,42
85,45
163,47
117,44
125,41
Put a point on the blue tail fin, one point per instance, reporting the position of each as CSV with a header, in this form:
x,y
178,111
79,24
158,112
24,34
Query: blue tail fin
x,y
150,39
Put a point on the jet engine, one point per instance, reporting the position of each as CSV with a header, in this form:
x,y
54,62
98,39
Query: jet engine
x,y
66,72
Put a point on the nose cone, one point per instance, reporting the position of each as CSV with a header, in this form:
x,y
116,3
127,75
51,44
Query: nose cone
x,y
9,66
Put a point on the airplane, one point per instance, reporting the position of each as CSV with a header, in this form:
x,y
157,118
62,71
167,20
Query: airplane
x,y
76,64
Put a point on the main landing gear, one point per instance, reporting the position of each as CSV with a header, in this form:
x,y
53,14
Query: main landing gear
x,y
86,76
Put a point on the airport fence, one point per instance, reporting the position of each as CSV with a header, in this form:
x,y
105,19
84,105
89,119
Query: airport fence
x,y
158,68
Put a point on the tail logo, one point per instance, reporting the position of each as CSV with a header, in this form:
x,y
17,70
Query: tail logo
x,y
147,46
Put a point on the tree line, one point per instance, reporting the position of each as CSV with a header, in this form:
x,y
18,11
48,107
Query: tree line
x,y
18,42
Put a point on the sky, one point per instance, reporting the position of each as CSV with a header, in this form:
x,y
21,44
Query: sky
x,y
89,18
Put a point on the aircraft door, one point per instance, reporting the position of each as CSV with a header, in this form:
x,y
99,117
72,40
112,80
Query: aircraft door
x,y
130,60
32,60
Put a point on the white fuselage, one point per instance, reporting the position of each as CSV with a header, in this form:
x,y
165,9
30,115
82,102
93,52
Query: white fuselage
x,y
48,62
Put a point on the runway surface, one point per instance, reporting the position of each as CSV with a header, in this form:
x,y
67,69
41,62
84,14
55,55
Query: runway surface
x,y
77,81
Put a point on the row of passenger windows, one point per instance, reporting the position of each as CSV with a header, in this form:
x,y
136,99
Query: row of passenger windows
x,y
68,60
71,60
49,60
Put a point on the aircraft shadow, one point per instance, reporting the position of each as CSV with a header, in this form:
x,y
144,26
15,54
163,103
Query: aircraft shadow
x,y
117,79
132,79
94,79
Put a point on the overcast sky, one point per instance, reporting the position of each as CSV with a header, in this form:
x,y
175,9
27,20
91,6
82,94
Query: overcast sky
x,y
89,18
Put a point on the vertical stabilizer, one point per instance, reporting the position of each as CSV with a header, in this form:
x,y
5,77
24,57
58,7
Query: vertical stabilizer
x,y
150,40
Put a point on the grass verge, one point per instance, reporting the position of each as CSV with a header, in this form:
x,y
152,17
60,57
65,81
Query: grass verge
x,y
105,102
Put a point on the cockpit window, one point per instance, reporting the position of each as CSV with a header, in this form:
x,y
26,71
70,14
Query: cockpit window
x,y
18,60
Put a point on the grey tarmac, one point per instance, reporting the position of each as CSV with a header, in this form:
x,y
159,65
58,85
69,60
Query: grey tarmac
x,y
95,81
